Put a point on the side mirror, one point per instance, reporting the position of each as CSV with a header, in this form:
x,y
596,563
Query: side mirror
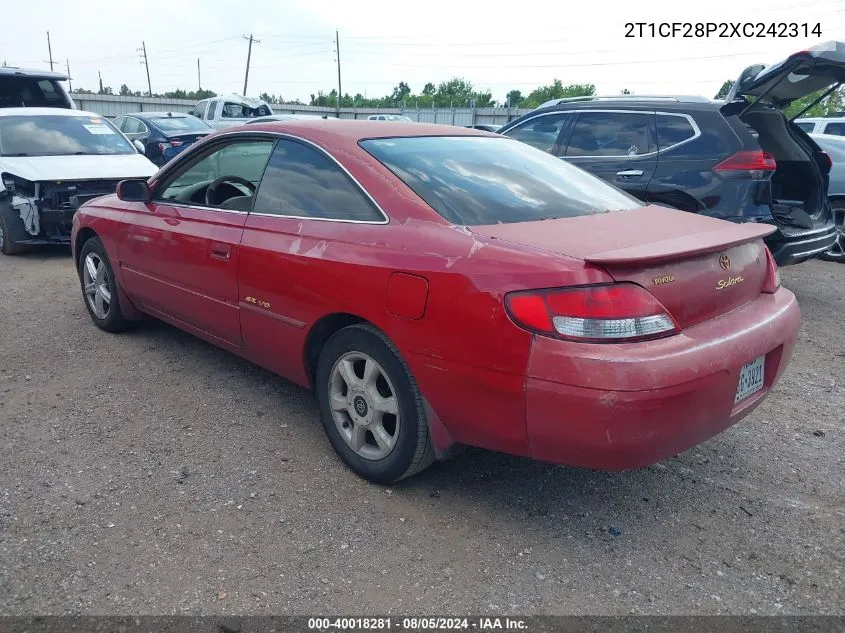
x,y
139,146
133,191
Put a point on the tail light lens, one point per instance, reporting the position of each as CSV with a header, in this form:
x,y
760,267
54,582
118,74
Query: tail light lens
x,y
826,160
598,314
175,143
772,281
751,164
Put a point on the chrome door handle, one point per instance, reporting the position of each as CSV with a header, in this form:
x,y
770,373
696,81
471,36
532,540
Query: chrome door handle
x,y
629,172
220,251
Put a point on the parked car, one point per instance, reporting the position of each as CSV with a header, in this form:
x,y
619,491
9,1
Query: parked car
x,y
287,117
832,126
225,112
52,160
487,127
163,134
739,160
25,88
389,117
437,285
834,146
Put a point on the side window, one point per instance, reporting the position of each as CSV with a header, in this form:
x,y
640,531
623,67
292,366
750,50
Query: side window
x,y
242,160
835,128
118,123
210,109
301,181
541,132
233,110
672,130
611,134
131,125
807,126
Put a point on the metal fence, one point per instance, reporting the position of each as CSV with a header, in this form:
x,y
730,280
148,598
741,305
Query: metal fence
x,y
112,106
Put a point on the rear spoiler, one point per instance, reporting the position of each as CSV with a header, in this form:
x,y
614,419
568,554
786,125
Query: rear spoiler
x,y
684,246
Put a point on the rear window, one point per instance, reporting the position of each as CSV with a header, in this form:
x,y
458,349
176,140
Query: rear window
x,y
807,126
673,130
30,92
837,129
180,124
485,180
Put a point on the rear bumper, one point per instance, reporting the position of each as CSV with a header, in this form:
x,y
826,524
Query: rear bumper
x,y
801,246
626,406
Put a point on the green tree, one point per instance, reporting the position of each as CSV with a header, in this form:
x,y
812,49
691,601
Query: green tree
x,y
557,90
124,91
724,90
429,90
834,102
400,93
514,98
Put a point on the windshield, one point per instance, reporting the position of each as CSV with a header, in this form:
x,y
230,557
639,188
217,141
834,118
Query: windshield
x,y
55,135
180,124
485,180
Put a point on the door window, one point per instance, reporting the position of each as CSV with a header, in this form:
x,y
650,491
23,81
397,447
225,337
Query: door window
x,y
807,126
673,130
131,125
301,181
611,134
541,132
231,172
835,128
208,113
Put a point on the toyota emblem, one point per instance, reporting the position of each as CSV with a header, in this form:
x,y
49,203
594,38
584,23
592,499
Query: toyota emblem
x,y
725,262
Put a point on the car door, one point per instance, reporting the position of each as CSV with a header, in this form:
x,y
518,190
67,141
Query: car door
x,y
544,130
306,205
618,146
180,253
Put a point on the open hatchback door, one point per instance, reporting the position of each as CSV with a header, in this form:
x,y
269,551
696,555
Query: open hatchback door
x,y
821,67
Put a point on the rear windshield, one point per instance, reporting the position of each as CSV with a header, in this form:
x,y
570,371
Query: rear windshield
x,y
60,136
484,180
31,92
180,124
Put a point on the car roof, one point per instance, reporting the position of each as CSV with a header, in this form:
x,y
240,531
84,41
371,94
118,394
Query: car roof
x,y
47,112
820,119
30,72
157,115
351,131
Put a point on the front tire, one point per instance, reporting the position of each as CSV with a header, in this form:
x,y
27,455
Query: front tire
x,y
99,287
370,406
837,251
11,230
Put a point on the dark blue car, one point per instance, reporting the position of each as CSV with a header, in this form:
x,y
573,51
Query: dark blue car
x,y
163,134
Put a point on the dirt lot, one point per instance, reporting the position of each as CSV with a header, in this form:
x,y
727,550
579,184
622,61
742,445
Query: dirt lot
x,y
152,473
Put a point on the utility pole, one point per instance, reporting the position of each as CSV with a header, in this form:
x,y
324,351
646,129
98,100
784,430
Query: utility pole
x,y
50,50
339,91
69,80
248,58
146,63
100,75
199,77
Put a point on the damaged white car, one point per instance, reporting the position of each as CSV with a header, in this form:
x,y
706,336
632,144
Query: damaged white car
x,y
51,161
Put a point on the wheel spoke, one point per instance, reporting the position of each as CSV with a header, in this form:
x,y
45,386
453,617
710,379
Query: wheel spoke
x,y
358,439
90,288
384,440
386,405
338,402
347,372
371,374
105,293
100,305
91,267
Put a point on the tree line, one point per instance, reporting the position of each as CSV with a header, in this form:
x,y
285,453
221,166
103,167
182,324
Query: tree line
x,y
461,93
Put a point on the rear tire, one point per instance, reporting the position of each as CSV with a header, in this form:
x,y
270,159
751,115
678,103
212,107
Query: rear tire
x,y
370,406
837,251
99,287
11,230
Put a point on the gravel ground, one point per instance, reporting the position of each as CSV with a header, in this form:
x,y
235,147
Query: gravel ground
x,y
152,473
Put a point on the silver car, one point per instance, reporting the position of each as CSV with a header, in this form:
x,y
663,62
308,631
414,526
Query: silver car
x,y
835,148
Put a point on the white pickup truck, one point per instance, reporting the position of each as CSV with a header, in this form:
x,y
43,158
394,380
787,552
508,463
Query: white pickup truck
x,y
231,110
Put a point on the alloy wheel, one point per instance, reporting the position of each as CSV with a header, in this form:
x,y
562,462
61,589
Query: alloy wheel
x,y
96,280
837,251
364,405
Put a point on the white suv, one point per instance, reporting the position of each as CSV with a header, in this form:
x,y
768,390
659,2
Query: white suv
x,y
22,88
822,125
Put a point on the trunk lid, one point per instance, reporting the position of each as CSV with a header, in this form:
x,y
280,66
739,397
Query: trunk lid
x,y
698,267
797,76
186,139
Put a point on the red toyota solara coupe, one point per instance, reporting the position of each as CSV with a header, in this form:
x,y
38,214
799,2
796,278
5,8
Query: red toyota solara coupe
x,y
440,286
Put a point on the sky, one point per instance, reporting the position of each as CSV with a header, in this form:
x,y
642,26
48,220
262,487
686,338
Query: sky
x,y
497,45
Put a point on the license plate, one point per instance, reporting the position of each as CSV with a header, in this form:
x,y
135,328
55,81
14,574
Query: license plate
x,y
750,379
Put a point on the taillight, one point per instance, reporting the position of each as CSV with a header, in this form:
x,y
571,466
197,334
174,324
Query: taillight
x,y
175,143
600,314
772,281
826,159
753,164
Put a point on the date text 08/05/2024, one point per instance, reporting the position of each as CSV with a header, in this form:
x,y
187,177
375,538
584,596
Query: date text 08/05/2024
x,y
418,624
722,29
